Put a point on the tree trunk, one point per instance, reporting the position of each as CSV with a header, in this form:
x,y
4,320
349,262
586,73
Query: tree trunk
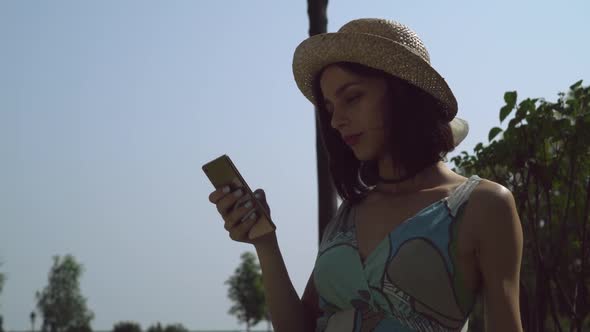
x,y
327,204
543,288
525,307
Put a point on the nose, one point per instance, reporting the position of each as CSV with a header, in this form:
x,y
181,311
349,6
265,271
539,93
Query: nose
x,y
339,119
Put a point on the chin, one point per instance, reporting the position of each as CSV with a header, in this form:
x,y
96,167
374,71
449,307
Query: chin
x,y
363,155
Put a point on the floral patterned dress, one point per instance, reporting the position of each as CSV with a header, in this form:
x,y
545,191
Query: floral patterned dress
x,y
408,283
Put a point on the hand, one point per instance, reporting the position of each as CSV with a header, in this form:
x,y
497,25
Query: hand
x,y
235,211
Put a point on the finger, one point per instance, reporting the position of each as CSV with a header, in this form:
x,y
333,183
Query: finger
x,y
237,216
259,193
227,203
218,194
240,231
261,197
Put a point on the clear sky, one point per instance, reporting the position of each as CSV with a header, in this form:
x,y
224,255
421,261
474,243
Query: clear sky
x,y
108,109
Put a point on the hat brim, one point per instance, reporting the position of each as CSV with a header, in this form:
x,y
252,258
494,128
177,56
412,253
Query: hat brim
x,y
316,52
460,129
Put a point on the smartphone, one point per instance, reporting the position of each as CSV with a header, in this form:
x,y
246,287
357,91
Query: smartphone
x,y
221,171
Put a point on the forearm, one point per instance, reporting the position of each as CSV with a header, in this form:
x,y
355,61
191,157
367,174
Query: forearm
x,y
286,309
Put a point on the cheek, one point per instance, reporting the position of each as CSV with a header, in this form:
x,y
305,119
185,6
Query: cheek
x,y
372,116
376,137
374,113
375,120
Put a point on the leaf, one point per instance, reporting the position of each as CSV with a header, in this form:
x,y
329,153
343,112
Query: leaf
x,y
520,113
528,105
478,147
510,98
494,132
512,123
576,85
505,111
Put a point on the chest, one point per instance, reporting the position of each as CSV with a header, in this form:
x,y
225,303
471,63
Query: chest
x,y
375,221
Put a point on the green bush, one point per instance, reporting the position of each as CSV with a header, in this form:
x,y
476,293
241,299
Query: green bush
x,y
127,327
155,328
175,328
168,328
79,328
543,158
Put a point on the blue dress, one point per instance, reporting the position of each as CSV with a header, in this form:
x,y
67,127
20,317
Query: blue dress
x,y
408,283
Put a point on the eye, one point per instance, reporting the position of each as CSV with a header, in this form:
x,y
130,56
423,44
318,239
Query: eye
x,y
354,98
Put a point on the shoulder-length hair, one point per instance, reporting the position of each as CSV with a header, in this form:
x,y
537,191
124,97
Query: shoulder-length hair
x,y
418,132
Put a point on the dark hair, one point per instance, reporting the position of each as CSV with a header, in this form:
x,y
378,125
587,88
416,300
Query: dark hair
x,y
416,117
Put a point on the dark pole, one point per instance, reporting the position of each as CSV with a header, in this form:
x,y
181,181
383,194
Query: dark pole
x,y
327,204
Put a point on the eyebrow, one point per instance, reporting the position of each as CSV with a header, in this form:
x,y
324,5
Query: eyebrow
x,y
341,89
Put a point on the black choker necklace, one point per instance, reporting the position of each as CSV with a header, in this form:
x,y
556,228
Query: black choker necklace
x,y
390,181
403,178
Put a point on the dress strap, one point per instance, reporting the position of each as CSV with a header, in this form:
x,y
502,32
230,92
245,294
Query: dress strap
x,y
461,193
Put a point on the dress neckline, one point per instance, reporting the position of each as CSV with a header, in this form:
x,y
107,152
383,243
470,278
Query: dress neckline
x,y
396,229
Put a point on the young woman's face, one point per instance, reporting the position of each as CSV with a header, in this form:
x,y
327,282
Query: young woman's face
x,y
359,105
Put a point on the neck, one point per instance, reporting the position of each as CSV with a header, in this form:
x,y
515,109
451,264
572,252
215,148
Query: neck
x,y
426,178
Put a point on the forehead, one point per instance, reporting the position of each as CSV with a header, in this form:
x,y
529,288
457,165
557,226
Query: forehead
x,y
334,75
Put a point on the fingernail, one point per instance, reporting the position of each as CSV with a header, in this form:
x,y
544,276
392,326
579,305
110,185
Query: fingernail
x,y
236,182
253,216
238,193
257,195
225,189
248,204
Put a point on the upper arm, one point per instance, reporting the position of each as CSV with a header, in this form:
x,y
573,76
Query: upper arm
x,y
500,255
310,302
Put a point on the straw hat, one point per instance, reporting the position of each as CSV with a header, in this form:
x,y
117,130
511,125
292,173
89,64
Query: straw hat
x,y
382,44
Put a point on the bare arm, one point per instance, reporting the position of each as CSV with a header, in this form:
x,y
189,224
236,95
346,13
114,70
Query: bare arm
x,y
500,255
287,311
311,303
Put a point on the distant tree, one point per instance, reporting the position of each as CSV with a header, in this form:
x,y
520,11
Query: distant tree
x,y
127,326
2,280
175,328
543,158
32,316
155,328
61,303
246,291
168,328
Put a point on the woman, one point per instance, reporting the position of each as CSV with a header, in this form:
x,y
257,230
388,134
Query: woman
x,y
413,244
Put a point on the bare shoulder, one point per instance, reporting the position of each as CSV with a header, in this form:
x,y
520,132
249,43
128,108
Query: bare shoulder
x,y
494,210
489,192
499,247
